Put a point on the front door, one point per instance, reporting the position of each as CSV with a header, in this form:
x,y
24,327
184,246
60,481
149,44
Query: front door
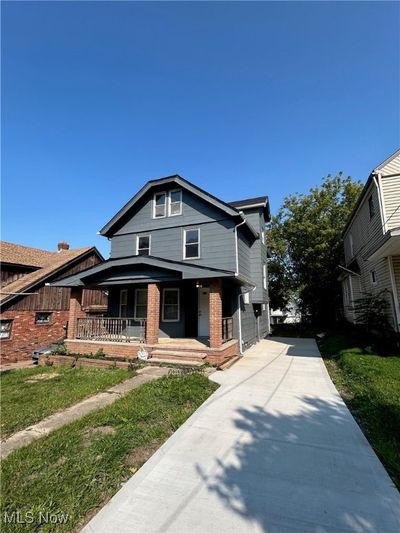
x,y
203,324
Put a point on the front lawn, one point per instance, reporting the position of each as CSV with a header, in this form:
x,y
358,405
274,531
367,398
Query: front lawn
x,y
75,469
31,394
370,386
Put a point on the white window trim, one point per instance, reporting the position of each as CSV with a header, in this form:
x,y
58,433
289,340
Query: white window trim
x,y
263,237
154,204
169,203
184,244
125,291
137,243
176,289
265,276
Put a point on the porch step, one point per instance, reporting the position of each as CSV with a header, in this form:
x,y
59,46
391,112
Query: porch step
x,y
175,362
175,354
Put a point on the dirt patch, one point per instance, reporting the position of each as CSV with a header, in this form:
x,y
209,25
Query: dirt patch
x,y
90,433
41,377
138,456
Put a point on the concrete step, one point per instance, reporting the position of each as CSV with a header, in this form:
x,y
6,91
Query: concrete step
x,y
175,353
178,362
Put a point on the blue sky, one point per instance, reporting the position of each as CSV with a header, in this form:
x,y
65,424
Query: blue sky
x,y
241,98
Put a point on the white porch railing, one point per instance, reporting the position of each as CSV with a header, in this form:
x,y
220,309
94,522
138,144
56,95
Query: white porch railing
x,y
111,329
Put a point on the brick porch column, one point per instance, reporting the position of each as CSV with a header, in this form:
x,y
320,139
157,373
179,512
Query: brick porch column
x,y
215,313
75,311
153,313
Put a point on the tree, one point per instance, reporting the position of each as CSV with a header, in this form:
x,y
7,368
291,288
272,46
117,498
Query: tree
x,y
305,242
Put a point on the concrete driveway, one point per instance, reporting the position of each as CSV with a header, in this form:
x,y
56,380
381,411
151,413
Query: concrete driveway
x,y
274,449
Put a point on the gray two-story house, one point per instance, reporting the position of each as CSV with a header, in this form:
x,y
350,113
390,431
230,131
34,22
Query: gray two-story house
x,y
187,276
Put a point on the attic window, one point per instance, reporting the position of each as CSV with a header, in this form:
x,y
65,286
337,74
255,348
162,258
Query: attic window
x,y
160,205
175,203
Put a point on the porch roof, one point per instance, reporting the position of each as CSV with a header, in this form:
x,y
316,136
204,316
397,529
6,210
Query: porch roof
x,y
388,245
143,269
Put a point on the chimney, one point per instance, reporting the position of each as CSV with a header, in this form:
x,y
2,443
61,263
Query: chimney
x,y
62,245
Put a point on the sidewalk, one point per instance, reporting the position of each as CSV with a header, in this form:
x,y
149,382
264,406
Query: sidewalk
x,y
273,449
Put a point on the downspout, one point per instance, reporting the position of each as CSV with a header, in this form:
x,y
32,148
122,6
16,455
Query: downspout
x,y
377,183
237,274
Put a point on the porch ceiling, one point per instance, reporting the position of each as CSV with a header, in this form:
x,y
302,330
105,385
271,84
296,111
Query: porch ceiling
x,y
140,269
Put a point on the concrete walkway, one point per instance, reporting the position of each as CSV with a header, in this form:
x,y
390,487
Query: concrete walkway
x,y
274,449
61,418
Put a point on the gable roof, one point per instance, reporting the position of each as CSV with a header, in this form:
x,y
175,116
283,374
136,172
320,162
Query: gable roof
x,y
51,263
366,187
387,161
182,182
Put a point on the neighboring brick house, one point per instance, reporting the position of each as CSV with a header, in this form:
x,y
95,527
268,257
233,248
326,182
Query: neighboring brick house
x,y
372,243
187,272
33,314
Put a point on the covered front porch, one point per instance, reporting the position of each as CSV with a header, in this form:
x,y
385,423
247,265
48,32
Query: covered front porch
x,y
163,309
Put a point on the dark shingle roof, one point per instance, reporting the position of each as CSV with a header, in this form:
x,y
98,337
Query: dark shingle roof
x,y
249,201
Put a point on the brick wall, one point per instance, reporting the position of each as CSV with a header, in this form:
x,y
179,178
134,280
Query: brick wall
x,y
153,313
215,313
75,311
27,336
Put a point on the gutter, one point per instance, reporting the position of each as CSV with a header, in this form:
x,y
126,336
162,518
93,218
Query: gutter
x,y
236,275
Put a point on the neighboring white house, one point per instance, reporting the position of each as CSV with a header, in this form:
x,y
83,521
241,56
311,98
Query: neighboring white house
x,y
289,315
372,242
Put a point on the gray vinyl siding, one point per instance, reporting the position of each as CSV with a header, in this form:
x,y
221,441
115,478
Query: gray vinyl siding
x,y
217,244
217,241
249,325
194,211
256,255
244,255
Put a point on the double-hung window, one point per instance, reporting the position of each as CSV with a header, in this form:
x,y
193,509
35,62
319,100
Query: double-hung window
x,y
5,329
170,308
140,303
123,303
143,245
175,203
167,204
191,244
160,205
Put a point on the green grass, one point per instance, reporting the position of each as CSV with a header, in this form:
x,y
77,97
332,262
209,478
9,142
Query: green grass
x,y
23,403
78,467
370,386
